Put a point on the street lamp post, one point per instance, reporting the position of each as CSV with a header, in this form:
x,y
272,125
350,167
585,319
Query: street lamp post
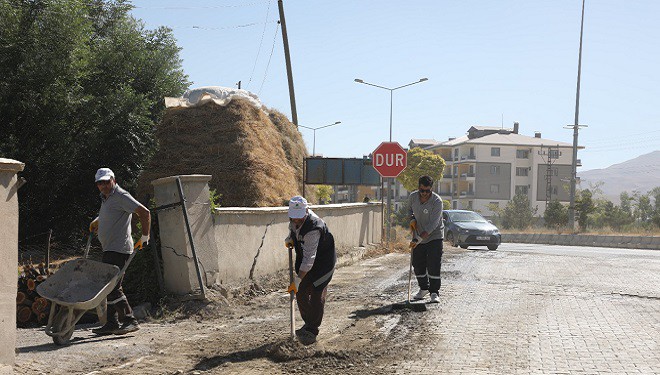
x,y
315,129
390,180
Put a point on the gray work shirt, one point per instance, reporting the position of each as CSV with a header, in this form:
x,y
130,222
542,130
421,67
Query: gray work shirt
x,y
115,221
428,216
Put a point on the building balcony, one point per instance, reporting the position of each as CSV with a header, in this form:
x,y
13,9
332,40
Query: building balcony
x,y
470,157
444,193
467,176
446,175
465,194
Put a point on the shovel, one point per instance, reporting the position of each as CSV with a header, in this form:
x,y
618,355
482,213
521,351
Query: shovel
x,y
409,305
292,294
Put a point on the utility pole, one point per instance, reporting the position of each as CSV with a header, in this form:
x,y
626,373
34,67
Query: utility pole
x,y
576,128
285,39
549,172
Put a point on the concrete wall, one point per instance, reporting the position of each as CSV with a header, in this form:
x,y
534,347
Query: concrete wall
x,y
628,242
246,234
179,270
234,242
9,256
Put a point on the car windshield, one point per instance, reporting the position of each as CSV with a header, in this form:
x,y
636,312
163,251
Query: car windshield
x,y
465,216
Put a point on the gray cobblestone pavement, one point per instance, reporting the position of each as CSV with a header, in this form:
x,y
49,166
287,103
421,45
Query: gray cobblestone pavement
x,y
537,309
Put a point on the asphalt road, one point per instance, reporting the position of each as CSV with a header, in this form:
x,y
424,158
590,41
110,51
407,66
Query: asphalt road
x,y
523,309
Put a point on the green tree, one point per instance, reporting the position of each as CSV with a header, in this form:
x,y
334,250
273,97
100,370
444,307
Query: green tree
x,y
518,213
655,193
643,208
81,86
584,206
555,215
626,202
421,162
323,193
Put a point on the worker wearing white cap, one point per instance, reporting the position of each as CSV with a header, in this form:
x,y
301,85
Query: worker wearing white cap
x,y
315,264
113,226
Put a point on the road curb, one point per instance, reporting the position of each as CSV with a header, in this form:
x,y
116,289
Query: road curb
x,y
630,242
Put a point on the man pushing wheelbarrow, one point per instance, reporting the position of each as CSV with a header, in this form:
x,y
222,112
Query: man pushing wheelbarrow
x,y
113,226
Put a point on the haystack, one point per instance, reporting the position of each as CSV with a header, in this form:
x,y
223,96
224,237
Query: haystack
x,y
255,158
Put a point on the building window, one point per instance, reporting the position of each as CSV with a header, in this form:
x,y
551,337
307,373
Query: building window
x,y
522,154
495,169
469,206
522,189
522,171
494,151
554,190
553,154
495,188
455,170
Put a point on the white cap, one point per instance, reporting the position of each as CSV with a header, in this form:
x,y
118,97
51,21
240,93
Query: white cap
x,y
104,174
297,207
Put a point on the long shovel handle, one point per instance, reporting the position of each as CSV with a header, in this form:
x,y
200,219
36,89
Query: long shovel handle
x,y
414,237
410,274
89,243
292,295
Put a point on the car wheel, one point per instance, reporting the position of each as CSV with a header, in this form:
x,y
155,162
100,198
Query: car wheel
x,y
450,239
492,247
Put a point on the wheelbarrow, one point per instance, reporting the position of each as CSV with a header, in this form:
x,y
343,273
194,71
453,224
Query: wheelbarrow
x,y
78,286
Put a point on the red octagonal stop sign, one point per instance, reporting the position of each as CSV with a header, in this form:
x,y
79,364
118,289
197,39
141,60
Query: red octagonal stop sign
x,y
390,159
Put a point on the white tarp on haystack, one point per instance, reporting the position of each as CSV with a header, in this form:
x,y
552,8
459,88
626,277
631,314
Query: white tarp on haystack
x,y
219,95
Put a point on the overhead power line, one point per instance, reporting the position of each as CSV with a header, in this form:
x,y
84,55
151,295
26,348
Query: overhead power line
x,y
269,57
263,32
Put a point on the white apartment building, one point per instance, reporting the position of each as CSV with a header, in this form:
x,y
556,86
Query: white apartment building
x,y
491,165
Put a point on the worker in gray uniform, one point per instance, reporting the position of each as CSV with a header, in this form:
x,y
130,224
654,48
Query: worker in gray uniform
x,y
427,226
113,226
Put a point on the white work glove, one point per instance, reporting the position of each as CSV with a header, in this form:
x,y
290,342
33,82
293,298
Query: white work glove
x,y
294,285
143,241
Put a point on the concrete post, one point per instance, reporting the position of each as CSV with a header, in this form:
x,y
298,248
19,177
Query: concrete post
x,y
179,271
9,255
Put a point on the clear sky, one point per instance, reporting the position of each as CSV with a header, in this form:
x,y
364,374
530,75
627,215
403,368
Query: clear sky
x,y
488,63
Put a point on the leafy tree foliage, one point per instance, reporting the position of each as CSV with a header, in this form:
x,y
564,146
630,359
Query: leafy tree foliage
x,y
421,162
81,86
323,193
584,205
517,214
555,215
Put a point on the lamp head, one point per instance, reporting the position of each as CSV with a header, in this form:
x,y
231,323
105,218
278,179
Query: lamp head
x,y
359,80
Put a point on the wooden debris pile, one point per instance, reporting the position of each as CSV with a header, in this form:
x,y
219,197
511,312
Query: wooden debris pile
x,y
31,309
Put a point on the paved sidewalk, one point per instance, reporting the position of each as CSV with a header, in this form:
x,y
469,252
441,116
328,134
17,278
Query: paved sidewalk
x,y
529,309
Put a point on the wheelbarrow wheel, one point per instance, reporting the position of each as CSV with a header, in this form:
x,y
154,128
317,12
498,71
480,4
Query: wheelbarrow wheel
x,y
59,324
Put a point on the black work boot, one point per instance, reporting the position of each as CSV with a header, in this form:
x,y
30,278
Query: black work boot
x,y
130,325
108,328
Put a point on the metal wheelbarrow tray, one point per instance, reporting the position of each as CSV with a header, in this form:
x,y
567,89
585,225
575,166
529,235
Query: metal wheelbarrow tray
x,y
79,285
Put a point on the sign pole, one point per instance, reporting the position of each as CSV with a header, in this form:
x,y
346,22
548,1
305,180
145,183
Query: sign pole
x,y
389,160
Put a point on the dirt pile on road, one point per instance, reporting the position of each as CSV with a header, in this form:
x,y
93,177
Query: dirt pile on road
x,y
255,158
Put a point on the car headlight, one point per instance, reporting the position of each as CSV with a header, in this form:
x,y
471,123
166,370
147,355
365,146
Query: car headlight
x,y
465,231
496,231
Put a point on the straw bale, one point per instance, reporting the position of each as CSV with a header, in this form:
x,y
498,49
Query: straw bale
x,y
255,159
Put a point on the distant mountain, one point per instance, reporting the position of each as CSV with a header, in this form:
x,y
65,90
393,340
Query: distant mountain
x,y
641,173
